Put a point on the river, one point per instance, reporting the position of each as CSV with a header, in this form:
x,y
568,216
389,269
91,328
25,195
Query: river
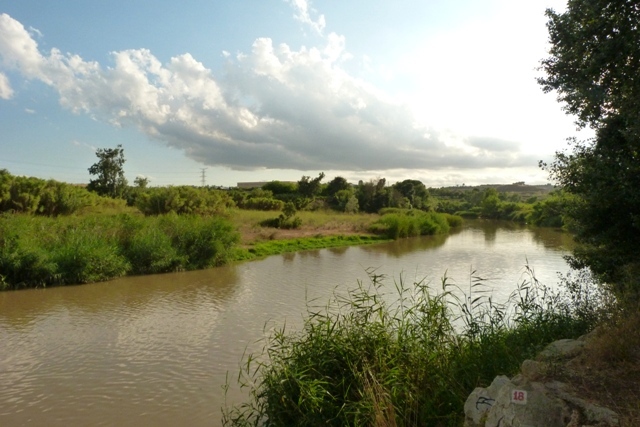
x,y
155,350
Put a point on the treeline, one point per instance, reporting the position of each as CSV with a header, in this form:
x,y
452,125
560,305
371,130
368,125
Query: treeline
x,y
545,210
52,198
338,194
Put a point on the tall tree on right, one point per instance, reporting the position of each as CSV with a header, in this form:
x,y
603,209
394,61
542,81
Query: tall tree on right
x,y
594,67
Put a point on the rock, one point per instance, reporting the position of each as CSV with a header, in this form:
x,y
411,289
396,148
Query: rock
x,y
525,401
562,349
527,405
481,400
533,370
593,414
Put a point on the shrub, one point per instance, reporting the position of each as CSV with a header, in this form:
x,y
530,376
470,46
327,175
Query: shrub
x,y
262,204
183,200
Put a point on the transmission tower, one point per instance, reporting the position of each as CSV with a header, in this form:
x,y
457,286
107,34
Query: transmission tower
x,y
203,177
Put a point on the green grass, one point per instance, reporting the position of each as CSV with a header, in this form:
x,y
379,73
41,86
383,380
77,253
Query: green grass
x,y
411,223
274,247
42,251
363,360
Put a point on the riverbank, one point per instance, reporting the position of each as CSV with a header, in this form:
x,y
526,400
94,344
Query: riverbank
x,y
40,251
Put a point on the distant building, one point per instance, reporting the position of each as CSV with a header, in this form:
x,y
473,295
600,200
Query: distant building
x,y
258,184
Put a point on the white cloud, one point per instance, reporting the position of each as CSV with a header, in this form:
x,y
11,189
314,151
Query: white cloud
x,y
5,87
304,12
273,108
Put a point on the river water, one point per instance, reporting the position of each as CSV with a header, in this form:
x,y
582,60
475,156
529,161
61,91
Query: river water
x,y
155,350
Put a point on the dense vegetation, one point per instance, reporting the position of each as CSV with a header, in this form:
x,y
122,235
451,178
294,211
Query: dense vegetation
x,y
40,251
400,355
593,67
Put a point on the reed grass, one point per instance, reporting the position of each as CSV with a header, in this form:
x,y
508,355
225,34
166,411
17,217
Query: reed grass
x,y
401,355
42,251
411,223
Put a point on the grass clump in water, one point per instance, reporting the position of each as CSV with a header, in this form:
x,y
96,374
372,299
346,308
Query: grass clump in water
x,y
398,223
274,247
366,361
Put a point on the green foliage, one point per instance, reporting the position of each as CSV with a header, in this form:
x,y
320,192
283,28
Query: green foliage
x,y
336,185
183,200
415,192
141,182
278,188
37,196
41,251
310,188
262,204
397,223
549,212
275,247
286,220
372,195
366,361
109,170
593,63
200,242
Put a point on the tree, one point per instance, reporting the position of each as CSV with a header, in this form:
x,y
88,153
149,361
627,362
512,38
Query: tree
x,y
141,182
414,191
593,66
336,184
109,170
308,187
595,58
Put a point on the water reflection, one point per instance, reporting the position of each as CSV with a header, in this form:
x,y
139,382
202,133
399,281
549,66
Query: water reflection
x,y
401,247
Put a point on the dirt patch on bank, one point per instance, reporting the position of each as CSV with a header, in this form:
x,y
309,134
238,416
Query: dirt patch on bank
x,y
250,235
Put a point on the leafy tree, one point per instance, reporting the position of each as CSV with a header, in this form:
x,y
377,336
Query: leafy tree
x,y
415,191
308,187
141,182
336,184
373,195
110,173
593,67
279,187
490,205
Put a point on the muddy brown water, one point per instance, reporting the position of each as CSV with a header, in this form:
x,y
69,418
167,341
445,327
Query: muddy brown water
x,y
155,350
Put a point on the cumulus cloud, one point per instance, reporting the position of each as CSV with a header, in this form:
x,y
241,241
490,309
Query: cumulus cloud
x,y
5,88
273,107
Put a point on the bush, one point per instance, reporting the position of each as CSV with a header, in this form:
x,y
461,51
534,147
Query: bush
x,y
397,223
286,220
262,204
183,200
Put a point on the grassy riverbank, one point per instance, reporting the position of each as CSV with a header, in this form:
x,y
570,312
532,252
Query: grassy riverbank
x,y
366,361
45,251
37,251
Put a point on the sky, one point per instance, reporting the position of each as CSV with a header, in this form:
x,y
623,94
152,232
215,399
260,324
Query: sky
x,y
442,91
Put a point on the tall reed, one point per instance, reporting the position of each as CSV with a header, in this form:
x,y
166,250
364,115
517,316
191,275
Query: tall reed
x,y
397,355
41,251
